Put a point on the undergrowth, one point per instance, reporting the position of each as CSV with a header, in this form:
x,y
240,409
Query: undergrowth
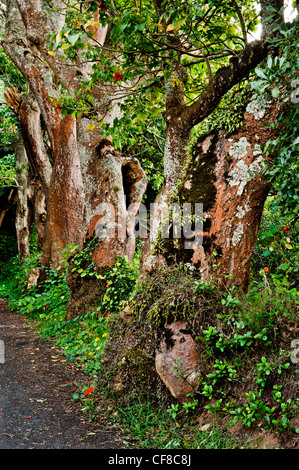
x,y
247,375
151,426
82,339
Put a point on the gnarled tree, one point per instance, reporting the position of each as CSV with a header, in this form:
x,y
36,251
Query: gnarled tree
x,y
76,170
88,64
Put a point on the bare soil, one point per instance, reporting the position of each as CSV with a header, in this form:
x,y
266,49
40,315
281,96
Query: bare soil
x,y
36,388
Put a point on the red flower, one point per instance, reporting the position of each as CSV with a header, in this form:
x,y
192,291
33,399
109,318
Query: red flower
x,y
88,390
117,76
59,108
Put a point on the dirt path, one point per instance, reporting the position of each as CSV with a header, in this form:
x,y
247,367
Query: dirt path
x,y
36,411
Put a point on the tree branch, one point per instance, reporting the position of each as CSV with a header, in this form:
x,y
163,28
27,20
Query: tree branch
x,y
224,79
242,22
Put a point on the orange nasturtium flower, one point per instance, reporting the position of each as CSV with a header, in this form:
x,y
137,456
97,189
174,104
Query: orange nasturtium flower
x,y
106,298
266,269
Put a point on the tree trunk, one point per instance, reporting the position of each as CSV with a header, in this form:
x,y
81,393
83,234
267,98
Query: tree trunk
x,y
225,175
175,156
39,213
116,184
65,220
22,213
31,157
30,118
83,176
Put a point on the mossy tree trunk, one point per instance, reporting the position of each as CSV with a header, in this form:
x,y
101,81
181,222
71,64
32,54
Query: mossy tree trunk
x,y
221,176
225,175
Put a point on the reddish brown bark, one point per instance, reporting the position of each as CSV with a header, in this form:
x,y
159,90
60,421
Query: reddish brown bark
x,y
225,175
240,194
180,120
115,204
65,220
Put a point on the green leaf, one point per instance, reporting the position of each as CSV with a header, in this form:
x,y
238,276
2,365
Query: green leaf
x,y
261,74
267,253
284,266
141,117
155,111
269,62
178,25
275,91
65,46
73,38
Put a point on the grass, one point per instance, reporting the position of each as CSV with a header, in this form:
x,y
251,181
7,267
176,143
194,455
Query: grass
x,y
152,427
